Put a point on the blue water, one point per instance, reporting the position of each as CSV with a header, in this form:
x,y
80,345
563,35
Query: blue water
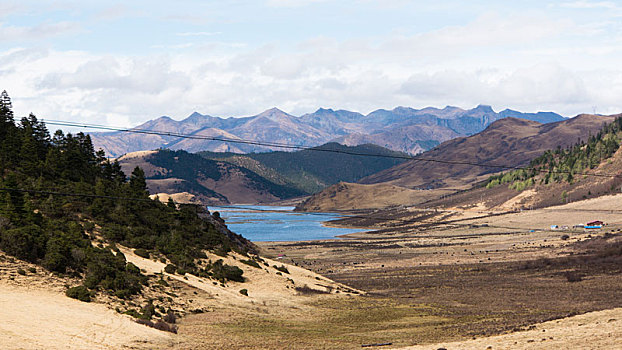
x,y
271,224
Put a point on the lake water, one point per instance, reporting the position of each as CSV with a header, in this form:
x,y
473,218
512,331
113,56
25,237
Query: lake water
x,y
269,224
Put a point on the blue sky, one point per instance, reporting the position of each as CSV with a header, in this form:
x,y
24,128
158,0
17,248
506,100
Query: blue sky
x,y
126,62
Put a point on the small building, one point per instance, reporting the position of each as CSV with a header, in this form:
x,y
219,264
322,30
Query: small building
x,y
595,223
554,227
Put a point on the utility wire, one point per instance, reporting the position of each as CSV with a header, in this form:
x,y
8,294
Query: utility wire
x,y
316,149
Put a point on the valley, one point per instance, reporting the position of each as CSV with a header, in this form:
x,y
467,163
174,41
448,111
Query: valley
x,y
480,240
481,274
310,175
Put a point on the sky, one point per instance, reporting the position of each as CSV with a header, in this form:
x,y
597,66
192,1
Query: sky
x,y
123,63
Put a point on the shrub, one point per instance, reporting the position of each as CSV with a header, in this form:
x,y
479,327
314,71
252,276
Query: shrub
x,y
244,292
281,268
170,268
79,292
565,237
142,253
32,270
159,325
223,272
133,313
250,263
573,276
163,326
170,317
306,290
21,271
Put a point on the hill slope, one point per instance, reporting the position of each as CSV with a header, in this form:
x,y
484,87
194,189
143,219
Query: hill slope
x,y
312,170
66,208
213,182
510,141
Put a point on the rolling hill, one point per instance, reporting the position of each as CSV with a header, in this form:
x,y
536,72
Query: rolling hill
x,y
315,169
508,142
212,182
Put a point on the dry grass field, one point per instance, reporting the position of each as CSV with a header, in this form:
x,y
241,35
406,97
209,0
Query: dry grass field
x,y
478,276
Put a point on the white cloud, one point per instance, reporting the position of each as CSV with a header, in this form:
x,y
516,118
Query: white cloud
x,y
292,3
113,12
590,5
542,86
198,33
40,31
528,61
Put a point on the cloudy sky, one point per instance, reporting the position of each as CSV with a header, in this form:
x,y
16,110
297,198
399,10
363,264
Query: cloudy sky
x,y
127,62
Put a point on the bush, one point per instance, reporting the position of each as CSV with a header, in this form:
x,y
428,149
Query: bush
x,y
134,314
565,237
163,326
142,253
244,292
159,325
170,268
252,263
573,276
21,271
223,272
306,290
32,270
79,292
281,268
170,317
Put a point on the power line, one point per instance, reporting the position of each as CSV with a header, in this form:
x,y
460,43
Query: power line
x,y
317,149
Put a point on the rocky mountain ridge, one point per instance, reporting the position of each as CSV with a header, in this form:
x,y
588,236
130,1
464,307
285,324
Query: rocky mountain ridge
x,y
402,129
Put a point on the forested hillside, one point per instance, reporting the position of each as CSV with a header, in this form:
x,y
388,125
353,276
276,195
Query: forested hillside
x,y
565,164
314,169
590,168
210,181
66,207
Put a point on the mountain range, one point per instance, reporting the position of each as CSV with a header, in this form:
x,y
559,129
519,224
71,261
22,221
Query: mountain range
x,y
401,129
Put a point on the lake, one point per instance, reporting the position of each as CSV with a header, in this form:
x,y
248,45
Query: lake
x,y
269,224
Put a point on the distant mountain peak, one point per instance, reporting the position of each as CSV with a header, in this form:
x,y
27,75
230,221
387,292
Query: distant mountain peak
x,y
273,110
195,116
324,110
484,108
